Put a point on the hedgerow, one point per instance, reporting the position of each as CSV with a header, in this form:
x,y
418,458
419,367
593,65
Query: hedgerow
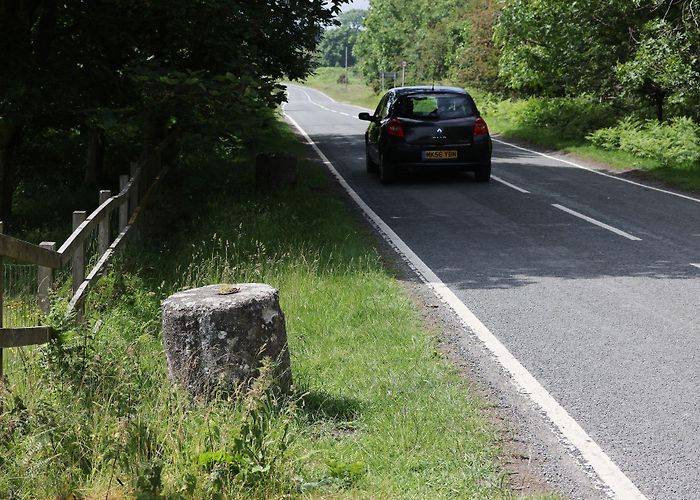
x,y
675,142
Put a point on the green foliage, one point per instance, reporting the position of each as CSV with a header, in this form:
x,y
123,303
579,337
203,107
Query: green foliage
x,y
422,35
140,72
336,39
346,472
557,47
260,441
569,117
566,119
603,47
662,66
472,58
673,143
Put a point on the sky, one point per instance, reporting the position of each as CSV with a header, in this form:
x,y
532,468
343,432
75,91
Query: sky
x,y
356,4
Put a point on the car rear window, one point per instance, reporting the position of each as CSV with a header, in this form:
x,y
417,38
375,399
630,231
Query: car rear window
x,y
434,106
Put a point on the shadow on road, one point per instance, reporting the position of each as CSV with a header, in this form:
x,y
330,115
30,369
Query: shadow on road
x,y
487,236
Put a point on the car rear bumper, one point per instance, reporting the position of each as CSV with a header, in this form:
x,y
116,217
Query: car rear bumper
x,y
409,155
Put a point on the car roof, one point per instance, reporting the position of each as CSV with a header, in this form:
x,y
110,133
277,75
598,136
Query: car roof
x,y
427,89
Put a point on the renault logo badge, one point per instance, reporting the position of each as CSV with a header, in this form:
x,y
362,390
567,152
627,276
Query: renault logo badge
x,y
439,134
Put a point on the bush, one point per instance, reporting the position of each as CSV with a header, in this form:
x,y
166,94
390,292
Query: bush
x,y
571,117
673,143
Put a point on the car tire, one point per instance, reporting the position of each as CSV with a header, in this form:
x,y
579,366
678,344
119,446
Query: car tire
x,y
371,166
387,171
483,172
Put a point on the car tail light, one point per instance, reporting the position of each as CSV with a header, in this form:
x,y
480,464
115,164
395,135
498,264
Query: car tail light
x,y
394,128
480,127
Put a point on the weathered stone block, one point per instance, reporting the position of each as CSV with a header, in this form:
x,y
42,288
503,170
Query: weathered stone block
x,y
275,170
217,336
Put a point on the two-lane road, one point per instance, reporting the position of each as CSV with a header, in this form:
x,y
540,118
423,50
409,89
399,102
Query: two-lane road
x,y
591,282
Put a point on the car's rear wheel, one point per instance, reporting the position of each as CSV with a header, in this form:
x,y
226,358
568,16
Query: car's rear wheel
x,y
387,171
483,172
371,166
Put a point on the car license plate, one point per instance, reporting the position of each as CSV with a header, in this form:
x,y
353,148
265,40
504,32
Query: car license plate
x,y
440,155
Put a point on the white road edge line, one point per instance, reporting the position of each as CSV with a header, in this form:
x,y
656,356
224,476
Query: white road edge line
x,y
512,186
321,105
616,482
596,222
298,87
598,172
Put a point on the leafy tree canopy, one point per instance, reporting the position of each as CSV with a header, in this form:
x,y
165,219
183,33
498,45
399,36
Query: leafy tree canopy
x,y
604,47
434,37
122,64
335,40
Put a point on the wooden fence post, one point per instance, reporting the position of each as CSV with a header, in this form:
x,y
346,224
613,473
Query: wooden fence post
x,y
104,226
2,305
45,281
124,207
134,192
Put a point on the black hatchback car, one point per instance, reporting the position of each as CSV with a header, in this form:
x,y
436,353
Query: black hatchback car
x,y
427,127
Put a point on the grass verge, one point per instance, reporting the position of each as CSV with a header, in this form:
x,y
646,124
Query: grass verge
x,y
376,411
680,177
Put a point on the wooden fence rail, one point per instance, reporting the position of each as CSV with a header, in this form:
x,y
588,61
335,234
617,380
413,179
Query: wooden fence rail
x,y
47,259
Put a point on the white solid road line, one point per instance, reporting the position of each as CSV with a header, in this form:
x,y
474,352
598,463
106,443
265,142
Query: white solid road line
x,y
615,481
598,172
512,186
324,107
596,222
297,87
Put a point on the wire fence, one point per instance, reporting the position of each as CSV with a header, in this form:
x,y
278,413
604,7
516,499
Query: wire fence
x,y
34,275
92,253
20,303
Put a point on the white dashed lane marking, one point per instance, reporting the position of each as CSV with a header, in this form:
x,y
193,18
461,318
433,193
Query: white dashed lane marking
x,y
512,186
596,222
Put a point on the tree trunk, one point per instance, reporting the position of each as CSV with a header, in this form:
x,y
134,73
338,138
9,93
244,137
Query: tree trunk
x,y
659,102
154,133
94,163
10,136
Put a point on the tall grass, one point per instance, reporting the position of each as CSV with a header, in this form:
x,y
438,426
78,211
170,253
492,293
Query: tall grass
x,y
375,411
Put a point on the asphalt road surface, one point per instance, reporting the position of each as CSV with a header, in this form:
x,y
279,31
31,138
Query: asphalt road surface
x,y
592,283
